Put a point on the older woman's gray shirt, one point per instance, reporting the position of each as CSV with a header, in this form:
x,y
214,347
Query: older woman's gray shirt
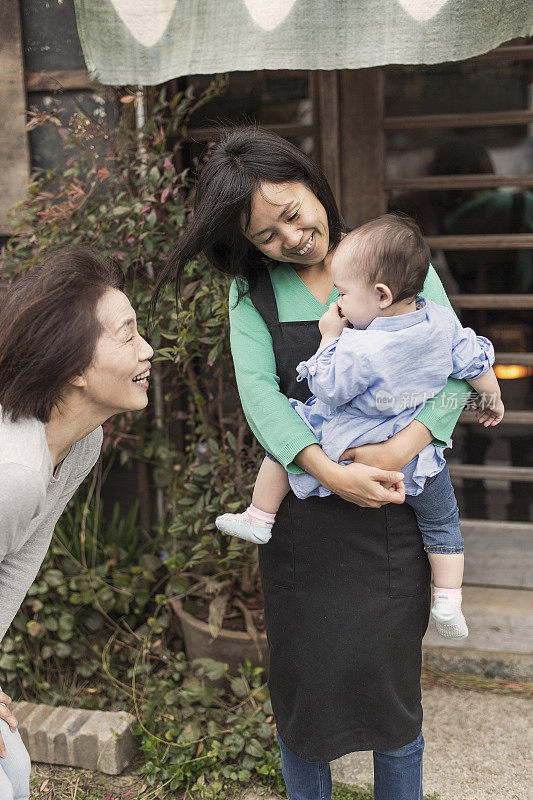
x,y
32,498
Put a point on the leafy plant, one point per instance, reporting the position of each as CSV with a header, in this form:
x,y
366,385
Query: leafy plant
x,y
90,587
208,737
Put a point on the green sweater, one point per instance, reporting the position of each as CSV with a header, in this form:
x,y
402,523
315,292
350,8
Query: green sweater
x,y
271,417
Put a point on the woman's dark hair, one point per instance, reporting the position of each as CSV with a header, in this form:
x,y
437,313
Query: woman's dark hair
x,y
243,160
49,328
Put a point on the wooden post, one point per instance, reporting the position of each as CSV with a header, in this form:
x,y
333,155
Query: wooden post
x,y
326,110
13,138
362,144
349,105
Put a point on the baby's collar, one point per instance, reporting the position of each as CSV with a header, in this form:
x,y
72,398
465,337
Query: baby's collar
x,y
401,321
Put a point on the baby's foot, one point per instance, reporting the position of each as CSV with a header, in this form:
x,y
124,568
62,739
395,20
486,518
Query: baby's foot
x,y
245,527
449,619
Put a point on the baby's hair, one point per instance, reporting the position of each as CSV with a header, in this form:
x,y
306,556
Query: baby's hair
x,y
390,250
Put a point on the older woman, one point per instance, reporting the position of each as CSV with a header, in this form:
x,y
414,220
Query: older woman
x,y
70,357
345,578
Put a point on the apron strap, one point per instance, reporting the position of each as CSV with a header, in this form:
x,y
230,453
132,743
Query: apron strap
x,y
264,299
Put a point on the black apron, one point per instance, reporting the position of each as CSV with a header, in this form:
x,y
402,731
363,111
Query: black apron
x,y
347,596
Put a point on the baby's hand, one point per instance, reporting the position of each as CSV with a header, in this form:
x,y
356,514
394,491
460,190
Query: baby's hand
x,y
331,324
491,412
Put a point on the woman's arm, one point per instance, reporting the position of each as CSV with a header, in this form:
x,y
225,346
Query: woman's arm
x,y
268,412
396,452
366,486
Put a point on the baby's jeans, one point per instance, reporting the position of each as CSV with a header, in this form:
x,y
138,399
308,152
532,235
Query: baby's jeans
x,y
397,774
15,767
437,515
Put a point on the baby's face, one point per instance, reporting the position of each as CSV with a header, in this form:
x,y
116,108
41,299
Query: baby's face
x,y
358,300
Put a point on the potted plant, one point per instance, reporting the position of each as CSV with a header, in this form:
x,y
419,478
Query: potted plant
x,y
214,583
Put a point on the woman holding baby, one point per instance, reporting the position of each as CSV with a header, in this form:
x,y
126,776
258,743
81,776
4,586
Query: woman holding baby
x,y
345,577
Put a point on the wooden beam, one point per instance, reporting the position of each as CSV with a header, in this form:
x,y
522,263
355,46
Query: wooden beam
x,y
510,53
61,81
485,119
326,110
436,183
499,553
492,301
15,172
489,241
491,472
362,144
522,359
511,418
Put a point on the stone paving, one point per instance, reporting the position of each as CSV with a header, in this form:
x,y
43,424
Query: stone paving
x,y
478,747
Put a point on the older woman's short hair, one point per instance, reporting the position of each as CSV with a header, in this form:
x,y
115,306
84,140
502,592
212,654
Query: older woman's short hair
x,y
49,328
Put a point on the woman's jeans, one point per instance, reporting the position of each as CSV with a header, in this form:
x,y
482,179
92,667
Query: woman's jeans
x,y
397,774
15,767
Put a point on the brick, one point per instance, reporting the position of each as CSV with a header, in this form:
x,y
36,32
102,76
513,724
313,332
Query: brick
x,y
75,737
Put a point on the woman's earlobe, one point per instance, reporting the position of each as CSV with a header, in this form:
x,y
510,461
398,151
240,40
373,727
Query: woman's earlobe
x,y
78,381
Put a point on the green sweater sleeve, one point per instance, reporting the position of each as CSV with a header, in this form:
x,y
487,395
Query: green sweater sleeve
x,y
440,414
271,417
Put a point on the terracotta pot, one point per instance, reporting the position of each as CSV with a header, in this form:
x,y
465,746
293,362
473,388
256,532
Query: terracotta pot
x,y
230,647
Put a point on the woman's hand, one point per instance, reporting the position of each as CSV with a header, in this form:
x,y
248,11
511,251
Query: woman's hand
x,y
360,484
6,714
366,486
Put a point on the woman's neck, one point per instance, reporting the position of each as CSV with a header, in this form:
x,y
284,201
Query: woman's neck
x,y
67,426
317,277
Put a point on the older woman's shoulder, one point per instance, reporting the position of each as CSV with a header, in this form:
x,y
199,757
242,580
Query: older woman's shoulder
x,y
87,452
22,442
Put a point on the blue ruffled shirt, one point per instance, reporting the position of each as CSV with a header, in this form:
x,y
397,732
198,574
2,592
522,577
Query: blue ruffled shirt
x,y
369,384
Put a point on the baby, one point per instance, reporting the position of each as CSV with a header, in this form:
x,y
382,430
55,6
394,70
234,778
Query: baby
x,y
371,380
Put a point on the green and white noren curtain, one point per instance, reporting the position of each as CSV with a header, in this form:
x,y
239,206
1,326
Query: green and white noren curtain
x,y
152,41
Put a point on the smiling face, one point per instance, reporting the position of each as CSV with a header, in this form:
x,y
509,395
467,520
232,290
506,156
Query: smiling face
x,y
288,223
117,379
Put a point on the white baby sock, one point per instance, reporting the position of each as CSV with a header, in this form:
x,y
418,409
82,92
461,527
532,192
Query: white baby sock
x,y
447,613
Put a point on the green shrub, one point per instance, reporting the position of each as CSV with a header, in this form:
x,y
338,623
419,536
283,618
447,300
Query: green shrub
x,y
208,737
93,588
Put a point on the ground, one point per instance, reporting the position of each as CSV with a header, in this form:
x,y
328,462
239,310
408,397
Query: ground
x,y
477,731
